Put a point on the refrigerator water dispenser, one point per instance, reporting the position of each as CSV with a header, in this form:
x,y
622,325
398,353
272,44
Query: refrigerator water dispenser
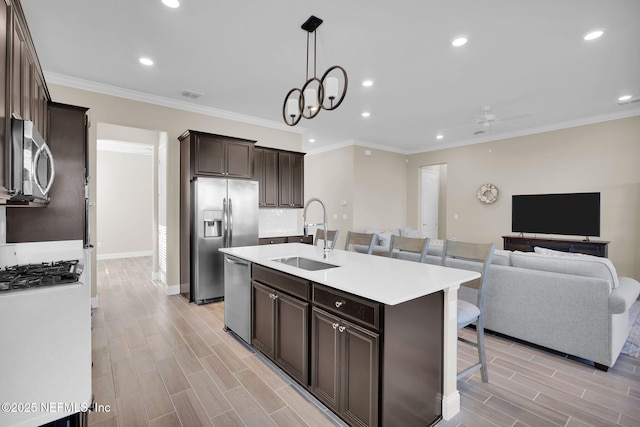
x,y
212,223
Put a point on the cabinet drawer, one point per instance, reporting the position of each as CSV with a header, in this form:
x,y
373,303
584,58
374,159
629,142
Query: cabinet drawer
x,y
350,306
271,240
281,281
300,239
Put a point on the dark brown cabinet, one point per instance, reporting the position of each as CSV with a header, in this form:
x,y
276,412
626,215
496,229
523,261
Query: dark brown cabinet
x,y
281,177
285,239
527,244
217,155
280,322
291,179
29,92
4,111
372,364
23,91
344,368
64,218
265,170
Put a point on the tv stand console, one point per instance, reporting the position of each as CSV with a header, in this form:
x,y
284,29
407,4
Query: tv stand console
x,y
526,244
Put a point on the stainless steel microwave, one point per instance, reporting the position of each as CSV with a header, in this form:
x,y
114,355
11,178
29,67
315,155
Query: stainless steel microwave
x,y
31,170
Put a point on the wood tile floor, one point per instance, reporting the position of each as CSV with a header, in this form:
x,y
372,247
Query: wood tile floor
x,y
159,361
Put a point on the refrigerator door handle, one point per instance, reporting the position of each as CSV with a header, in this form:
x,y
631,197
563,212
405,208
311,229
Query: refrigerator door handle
x,y
225,223
230,224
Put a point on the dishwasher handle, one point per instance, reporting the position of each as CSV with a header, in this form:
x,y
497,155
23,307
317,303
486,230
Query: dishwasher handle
x,y
234,261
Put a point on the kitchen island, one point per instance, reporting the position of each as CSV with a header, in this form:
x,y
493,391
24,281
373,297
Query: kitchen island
x,y
373,338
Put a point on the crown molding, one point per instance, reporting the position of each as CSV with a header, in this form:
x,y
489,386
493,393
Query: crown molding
x,y
354,142
535,130
91,86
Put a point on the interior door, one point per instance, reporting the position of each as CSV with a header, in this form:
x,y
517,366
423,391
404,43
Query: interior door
x,y
430,189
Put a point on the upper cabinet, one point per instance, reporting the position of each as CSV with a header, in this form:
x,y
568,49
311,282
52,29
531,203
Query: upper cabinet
x,y
23,91
217,156
65,217
265,170
291,173
281,177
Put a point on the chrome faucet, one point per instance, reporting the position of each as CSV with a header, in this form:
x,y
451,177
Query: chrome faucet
x,y
324,223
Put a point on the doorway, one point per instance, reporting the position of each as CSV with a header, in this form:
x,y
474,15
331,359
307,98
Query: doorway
x,y
433,201
131,195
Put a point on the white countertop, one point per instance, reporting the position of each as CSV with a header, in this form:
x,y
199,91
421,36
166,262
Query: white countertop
x,y
386,280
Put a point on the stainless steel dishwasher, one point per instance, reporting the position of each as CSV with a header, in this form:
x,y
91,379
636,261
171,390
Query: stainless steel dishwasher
x,y
237,296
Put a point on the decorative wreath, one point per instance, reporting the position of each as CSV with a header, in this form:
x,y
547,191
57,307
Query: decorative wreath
x,y
488,193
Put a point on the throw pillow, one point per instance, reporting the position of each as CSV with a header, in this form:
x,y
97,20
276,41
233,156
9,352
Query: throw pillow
x,y
384,237
409,232
546,251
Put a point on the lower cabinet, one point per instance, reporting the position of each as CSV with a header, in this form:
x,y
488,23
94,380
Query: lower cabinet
x,y
285,239
344,368
280,329
372,364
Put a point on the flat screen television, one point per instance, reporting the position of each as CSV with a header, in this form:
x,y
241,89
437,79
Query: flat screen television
x,y
575,214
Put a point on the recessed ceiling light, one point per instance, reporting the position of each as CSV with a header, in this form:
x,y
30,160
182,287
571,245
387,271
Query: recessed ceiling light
x,y
624,98
311,140
146,61
592,35
171,3
439,136
367,83
460,41
366,114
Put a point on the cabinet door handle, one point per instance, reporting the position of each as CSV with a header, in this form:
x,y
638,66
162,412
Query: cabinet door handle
x,y
273,296
335,325
342,328
339,304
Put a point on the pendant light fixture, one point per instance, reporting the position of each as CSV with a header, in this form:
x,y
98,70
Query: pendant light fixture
x,y
325,93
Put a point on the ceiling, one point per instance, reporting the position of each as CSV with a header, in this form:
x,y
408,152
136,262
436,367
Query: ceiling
x,y
523,58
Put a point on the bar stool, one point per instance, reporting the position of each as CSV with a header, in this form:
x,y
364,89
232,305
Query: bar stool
x,y
408,244
467,312
332,236
360,239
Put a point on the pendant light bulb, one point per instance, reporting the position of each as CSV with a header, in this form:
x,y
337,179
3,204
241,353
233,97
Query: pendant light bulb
x,y
332,88
310,99
292,107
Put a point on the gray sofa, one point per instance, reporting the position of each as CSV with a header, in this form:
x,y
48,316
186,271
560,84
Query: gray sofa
x,y
575,304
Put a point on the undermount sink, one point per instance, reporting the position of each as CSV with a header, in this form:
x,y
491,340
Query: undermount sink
x,y
305,263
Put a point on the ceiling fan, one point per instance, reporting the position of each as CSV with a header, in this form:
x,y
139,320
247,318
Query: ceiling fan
x,y
489,120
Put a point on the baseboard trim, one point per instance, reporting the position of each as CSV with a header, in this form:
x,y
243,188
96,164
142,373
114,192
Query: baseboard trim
x,y
450,405
100,257
172,289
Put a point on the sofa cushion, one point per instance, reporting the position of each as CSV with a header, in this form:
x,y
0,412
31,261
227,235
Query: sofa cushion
x,y
384,236
410,232
621,299
501,257
579,265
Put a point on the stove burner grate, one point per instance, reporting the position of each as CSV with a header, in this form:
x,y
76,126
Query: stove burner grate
x,y
38,275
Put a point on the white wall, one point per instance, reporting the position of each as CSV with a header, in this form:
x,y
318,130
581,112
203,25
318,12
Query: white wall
x,y
124,206
372,185
601,157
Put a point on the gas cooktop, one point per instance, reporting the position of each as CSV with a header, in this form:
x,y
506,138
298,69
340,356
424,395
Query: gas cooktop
x,y
29,276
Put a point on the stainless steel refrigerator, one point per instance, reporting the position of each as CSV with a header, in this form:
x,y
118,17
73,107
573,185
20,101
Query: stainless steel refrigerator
x,y
224,213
